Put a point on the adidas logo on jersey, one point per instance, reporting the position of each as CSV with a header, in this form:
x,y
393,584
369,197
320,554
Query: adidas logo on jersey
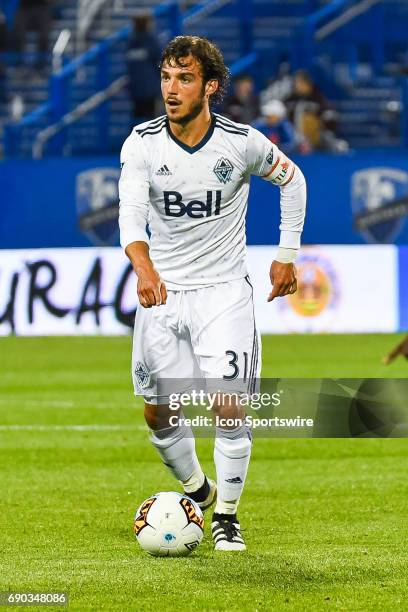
x,y
163,171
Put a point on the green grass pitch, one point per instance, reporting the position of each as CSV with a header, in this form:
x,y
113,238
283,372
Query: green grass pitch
x,y
325,520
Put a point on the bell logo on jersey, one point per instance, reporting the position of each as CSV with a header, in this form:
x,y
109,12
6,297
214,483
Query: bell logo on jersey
x,y
196,209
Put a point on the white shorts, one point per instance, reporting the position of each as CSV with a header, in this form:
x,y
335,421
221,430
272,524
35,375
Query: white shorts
x,y
206,334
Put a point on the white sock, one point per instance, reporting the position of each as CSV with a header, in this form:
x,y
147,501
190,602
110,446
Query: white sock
x,y
176,447
232,451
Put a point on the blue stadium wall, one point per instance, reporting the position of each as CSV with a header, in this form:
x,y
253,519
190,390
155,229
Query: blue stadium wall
x,y
358,201
72,202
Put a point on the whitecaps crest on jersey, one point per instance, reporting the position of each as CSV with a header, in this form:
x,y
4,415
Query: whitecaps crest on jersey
x,y
223,169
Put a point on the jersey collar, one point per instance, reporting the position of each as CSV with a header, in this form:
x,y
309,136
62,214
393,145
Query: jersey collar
x,y
199,145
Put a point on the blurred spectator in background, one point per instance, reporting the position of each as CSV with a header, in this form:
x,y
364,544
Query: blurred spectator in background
x,y
274,124
32,16
243,104
143,57
313,116
186,5
2,82
3,31
3,38
280,87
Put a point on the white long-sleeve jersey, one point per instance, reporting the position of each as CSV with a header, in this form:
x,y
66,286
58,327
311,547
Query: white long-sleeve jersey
x,y
194,199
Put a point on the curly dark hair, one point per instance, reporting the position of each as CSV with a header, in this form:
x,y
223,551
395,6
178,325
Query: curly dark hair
x,y
206,53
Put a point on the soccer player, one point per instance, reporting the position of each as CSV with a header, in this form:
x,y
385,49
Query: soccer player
x,y
186,175
400,349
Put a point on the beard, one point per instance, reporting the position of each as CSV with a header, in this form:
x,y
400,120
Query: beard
x,y
193,112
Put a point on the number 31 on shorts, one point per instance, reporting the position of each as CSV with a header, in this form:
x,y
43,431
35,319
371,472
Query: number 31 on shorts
x,y
233,364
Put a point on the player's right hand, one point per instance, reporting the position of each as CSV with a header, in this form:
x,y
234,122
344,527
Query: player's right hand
x,y
151,290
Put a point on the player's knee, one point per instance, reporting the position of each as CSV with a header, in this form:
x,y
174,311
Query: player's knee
x,y
158,416
229,414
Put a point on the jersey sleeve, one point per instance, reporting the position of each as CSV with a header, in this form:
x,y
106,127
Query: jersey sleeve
x,y
264,159
133,191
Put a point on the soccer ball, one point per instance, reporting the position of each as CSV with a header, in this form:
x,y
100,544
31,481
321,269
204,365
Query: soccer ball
x,y
169,525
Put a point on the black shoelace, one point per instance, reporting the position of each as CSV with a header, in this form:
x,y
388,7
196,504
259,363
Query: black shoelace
x,y
230,530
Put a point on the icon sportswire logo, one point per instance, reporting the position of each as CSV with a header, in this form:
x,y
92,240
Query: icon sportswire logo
x,y
164,171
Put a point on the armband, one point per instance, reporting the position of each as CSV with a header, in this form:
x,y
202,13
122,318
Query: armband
x,y
281,172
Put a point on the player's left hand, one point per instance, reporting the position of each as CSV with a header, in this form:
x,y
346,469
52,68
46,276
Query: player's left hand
x,y
283,279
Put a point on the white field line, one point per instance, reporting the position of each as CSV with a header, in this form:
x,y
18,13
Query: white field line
x,y
73,428
38,403
44,403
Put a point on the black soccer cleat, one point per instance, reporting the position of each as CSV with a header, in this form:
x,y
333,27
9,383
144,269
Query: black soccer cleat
x,y
206,495
226,532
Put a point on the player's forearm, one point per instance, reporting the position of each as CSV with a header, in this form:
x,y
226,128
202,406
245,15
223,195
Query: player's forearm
x,y
138,253
283,172
293,210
